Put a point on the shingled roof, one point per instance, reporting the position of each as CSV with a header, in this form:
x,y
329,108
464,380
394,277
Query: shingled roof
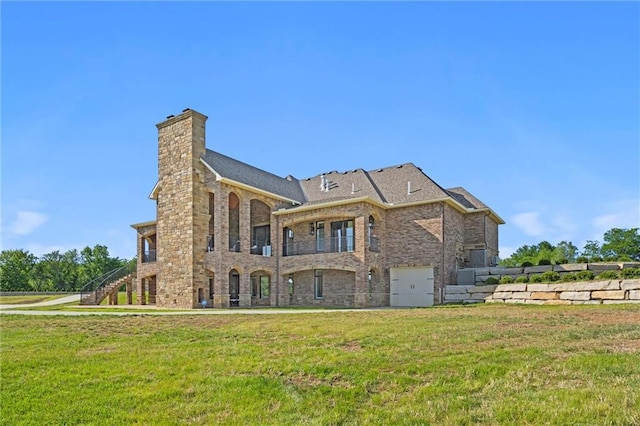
x,y
395,185
238,171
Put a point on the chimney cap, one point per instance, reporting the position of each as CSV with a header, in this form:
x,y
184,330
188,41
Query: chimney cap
x,y
186,109
170,116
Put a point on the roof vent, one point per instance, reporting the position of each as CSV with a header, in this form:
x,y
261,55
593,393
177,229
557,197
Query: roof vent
x,y
186,109
170,116
399,167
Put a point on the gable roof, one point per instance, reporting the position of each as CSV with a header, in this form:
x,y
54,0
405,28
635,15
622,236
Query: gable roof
x,y
465,198
237,171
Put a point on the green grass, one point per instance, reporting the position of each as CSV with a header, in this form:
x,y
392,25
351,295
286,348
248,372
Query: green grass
x,y
462,365
31,298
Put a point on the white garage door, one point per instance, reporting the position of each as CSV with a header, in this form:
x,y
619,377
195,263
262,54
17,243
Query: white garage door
x,y
411,287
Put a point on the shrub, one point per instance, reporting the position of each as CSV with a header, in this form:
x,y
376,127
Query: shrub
x,y
595,259
608,275
625,258
551,276
535,278
506,279
542,262
522,279
562,261
491,280
630,273
526,264
610,259
584,275
582,259
570,276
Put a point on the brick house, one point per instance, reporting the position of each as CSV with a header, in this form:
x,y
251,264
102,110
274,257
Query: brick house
x,y
230,234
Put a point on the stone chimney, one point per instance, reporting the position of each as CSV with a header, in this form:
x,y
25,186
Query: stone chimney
x,y
181,209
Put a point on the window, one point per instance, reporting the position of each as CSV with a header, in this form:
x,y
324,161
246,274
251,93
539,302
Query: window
x,y
210,287
318,291
260,286
342,236
320,236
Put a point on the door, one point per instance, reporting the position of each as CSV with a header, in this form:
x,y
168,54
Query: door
x,y
234,289
411,287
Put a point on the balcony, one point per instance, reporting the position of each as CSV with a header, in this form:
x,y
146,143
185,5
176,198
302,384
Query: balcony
x,y
327,245
149,256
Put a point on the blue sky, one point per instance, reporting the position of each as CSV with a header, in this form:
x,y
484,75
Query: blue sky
x,y
533,107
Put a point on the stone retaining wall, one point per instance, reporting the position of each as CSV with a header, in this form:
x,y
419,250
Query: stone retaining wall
x,y
570,293
482,274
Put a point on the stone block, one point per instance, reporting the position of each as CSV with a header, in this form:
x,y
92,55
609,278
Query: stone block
x,y
538,269
505,271
608,294
597,267
630,285
545,295
586,302
626,265
457,289
521,294
557,302
482,278
575,295
511,287
484,288
570,267
478,296
494,301
534,302
587,286
539,287
619,302
455,297
515,301
502,295
473,300
482,271
634,294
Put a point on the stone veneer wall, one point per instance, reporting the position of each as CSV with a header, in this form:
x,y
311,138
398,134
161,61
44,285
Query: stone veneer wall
x,y
182,210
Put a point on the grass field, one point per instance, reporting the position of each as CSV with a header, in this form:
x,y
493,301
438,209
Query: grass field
x,y
31,298
463,365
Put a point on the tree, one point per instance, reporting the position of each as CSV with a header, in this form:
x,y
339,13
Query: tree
x,y
57,272
564,251
621,243
16,267
591,249
96,262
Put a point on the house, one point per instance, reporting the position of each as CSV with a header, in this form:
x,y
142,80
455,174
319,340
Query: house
x,y
229,234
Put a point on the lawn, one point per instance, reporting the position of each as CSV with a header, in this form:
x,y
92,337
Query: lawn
x,y
31,298
487,364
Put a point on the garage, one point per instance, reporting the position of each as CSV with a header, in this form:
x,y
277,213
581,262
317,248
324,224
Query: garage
x,y
411,287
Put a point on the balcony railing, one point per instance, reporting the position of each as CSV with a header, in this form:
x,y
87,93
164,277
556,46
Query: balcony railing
x,y
327,245
234,245
149,256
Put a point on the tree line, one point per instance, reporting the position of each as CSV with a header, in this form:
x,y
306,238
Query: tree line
x,y
618,245
55,271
